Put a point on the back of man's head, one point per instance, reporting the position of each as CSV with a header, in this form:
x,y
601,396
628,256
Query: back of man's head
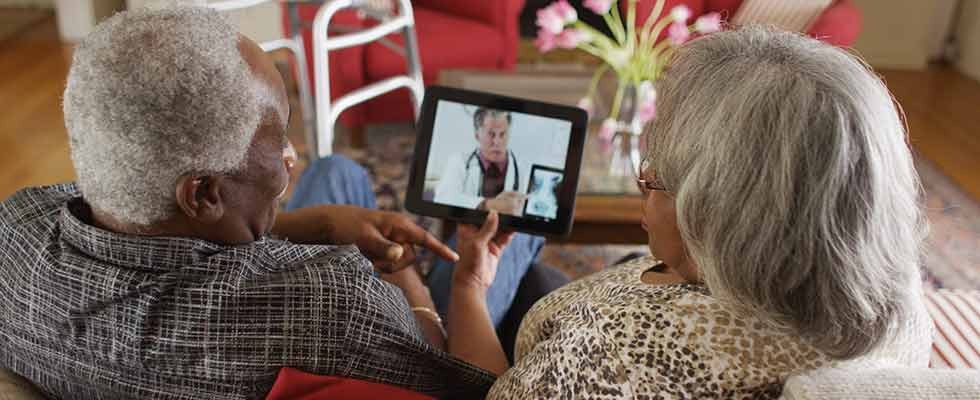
x,y
152,95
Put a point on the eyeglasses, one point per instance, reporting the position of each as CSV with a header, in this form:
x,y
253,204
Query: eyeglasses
x,y
647,185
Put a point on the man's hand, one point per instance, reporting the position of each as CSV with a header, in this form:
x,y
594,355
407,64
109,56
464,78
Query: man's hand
x,y
480,250
388,239
511,203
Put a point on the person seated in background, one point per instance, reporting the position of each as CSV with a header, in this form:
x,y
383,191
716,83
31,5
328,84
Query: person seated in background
x,y
157,275
781,199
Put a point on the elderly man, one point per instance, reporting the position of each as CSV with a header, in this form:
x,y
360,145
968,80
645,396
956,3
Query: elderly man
x,y
155,276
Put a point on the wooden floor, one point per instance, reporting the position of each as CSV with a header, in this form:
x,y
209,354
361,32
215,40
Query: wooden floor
x,y
33,67
940,103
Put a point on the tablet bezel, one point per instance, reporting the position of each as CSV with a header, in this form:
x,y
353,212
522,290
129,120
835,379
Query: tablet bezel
x,y
562,225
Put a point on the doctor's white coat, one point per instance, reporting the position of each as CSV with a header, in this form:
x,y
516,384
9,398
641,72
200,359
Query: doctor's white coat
x,y
461,179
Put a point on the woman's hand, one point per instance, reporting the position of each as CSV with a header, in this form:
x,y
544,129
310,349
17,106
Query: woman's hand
x,y
472,337
479,253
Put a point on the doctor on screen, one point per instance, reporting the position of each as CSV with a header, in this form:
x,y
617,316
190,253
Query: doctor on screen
x,y
489,177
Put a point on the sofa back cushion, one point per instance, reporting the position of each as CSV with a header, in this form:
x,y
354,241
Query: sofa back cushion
x,y
727,8
488,12
791,15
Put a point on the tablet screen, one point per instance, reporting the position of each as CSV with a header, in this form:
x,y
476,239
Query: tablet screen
x,y
482,158
478,152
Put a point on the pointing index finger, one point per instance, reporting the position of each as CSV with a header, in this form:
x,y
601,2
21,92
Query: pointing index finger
x,y
436,246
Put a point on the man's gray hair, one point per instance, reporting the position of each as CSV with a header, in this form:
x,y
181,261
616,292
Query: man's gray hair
x,y
482,113
794,186
153,95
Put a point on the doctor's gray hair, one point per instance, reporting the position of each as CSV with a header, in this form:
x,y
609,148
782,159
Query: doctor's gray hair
x,y
794,186
482,113
152,95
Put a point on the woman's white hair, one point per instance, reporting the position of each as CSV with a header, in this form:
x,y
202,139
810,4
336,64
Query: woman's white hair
x,y
152,95
794,186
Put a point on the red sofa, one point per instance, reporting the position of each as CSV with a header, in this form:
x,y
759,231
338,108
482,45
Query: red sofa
x,y
479,34
839,24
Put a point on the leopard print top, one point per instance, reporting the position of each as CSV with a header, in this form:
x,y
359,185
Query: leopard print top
x,y
611,336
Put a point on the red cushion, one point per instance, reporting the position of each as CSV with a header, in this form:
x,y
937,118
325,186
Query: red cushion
x,y
445,41
483,11
839,25
644,7
293,384
727,8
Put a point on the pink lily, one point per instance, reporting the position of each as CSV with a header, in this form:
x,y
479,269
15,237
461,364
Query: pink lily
x,y
608,129
678,33
565,11
680,14
647,112
545,41
550,21
708,23
598,6
571,37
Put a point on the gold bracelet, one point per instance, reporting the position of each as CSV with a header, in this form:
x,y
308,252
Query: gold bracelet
x,y
432,316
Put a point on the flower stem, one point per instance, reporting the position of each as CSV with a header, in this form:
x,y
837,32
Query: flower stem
x,y
615,22
596,36
631,25
614,112
651,19
617,33
655,31
596,77
663,59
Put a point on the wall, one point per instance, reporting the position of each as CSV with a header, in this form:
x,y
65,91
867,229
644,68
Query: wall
x,y
968,37
76,18
896,33
261,23
943,24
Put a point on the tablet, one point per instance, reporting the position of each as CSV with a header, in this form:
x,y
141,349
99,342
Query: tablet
x,y
479,151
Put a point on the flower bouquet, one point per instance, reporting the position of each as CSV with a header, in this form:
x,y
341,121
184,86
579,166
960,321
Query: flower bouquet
x,y
632,53
636,57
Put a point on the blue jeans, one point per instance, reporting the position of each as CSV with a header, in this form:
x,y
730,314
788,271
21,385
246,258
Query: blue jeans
x,y
338,180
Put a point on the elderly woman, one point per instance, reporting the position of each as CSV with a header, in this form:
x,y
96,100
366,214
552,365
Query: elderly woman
x,y
782,202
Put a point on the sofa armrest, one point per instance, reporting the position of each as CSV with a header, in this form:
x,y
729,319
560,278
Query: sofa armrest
x,y
839,24
501,14
895,383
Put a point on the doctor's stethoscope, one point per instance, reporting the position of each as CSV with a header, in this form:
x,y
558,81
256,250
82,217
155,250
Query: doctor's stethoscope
x,y
473,156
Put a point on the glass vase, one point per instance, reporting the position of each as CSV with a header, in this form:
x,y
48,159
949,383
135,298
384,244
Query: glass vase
x,y
626,144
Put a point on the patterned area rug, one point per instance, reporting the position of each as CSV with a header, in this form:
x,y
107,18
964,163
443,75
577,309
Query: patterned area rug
x,y
952,260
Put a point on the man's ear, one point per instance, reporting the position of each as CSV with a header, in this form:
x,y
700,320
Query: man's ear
x,y
199,197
